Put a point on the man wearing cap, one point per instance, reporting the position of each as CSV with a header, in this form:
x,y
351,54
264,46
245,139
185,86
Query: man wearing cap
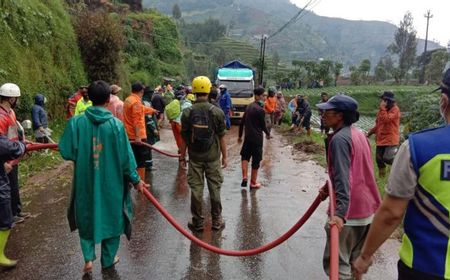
x,y
350,168
134,119
417,193
115,104
225,104
387,131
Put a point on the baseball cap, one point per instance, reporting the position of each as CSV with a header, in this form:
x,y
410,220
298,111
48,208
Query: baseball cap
x,y
222,86
340,102
137,87
388,95
445,84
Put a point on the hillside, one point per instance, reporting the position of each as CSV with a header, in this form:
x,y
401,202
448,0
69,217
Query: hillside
x,y
39,52
312,37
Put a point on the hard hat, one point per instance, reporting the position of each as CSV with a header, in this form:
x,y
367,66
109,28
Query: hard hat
x,y
9,90
190,97
201,84
272,90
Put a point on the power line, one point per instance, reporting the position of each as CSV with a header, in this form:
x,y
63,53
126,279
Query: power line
x,y
292,20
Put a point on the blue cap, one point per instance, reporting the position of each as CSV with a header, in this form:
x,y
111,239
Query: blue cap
x,y
340,102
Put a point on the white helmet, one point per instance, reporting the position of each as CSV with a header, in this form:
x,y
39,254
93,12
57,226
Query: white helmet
x,y
10,90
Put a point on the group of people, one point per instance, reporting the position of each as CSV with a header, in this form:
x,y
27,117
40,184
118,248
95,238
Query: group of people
x,y
105,143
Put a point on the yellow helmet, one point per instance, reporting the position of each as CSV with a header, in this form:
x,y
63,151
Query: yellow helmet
x,y
201,84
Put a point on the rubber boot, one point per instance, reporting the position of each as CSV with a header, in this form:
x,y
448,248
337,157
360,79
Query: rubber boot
x,y
141,172
4,261
253,183
244,165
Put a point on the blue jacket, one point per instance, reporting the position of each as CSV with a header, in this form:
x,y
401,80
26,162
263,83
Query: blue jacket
x,y
225,102
38,114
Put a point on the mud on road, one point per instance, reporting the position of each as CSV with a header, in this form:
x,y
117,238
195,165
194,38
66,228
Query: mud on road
x,y
48,250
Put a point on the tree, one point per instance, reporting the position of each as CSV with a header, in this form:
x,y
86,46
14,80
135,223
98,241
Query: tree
x,y
364,69
101,42
355,75
434,69
337,71
176,11
404,46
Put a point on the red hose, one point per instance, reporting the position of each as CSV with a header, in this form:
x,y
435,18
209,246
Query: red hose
x,y
32,146
234,253
334,238
155,149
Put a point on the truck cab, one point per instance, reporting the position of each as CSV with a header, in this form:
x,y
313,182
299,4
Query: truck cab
x,y
240,84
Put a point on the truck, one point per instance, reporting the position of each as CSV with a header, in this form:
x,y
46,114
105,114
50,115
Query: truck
x,y
239,80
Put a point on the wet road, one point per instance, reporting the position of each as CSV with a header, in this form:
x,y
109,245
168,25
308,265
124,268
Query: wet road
x,y
48,250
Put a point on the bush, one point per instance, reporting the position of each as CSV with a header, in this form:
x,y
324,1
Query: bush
x,y
424,113
101,41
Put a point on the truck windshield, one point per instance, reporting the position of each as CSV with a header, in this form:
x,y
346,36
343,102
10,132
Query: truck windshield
x,y
239,88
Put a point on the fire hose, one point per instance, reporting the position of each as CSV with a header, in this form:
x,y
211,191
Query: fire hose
x,y
334,233
326,191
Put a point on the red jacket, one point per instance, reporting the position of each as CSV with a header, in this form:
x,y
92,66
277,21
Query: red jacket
x,y
387,127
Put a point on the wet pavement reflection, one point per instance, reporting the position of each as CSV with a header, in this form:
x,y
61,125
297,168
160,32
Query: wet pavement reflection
x,y
48,250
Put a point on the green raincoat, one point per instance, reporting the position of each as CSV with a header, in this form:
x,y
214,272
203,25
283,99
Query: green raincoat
x,y
104,163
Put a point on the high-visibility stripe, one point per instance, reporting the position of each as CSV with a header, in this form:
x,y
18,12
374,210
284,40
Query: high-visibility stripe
x,y
439,226
406,251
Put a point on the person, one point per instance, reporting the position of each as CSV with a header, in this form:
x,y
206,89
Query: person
x,y
303,114
387,131
323,128
151,126
39,119
269,107
158,104
213,96
350,168
9,150
100,206
417,193
255,124
134,113
280,108
73,99
115,105
82,104
9,127
225,104
173,111
203,130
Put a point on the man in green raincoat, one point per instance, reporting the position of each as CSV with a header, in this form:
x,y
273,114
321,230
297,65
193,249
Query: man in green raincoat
x,y
100,206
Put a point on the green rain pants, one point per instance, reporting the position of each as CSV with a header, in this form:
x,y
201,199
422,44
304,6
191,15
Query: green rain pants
x,y
109,250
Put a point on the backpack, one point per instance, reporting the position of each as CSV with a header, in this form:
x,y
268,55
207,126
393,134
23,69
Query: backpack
x,y
173,109
202,131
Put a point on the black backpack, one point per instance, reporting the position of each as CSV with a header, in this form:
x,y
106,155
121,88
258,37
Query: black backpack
x,y
202,131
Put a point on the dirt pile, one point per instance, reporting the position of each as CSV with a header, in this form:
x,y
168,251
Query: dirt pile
x,y
309,147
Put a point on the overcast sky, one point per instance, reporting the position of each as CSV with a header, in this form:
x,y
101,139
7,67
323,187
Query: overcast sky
x,y
391,11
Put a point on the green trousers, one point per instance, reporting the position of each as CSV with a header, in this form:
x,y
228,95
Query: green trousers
x,y
196,179
109,250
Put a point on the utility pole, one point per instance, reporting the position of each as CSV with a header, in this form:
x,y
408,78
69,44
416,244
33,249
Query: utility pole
x,y
428,15
262,59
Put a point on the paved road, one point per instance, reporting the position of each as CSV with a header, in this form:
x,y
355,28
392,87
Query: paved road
x,y
47,250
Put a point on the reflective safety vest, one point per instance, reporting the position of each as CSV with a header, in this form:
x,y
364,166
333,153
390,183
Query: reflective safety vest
x,y
425,245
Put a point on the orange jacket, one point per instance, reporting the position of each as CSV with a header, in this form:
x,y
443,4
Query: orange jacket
x,y
270,104
134,117
387,127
